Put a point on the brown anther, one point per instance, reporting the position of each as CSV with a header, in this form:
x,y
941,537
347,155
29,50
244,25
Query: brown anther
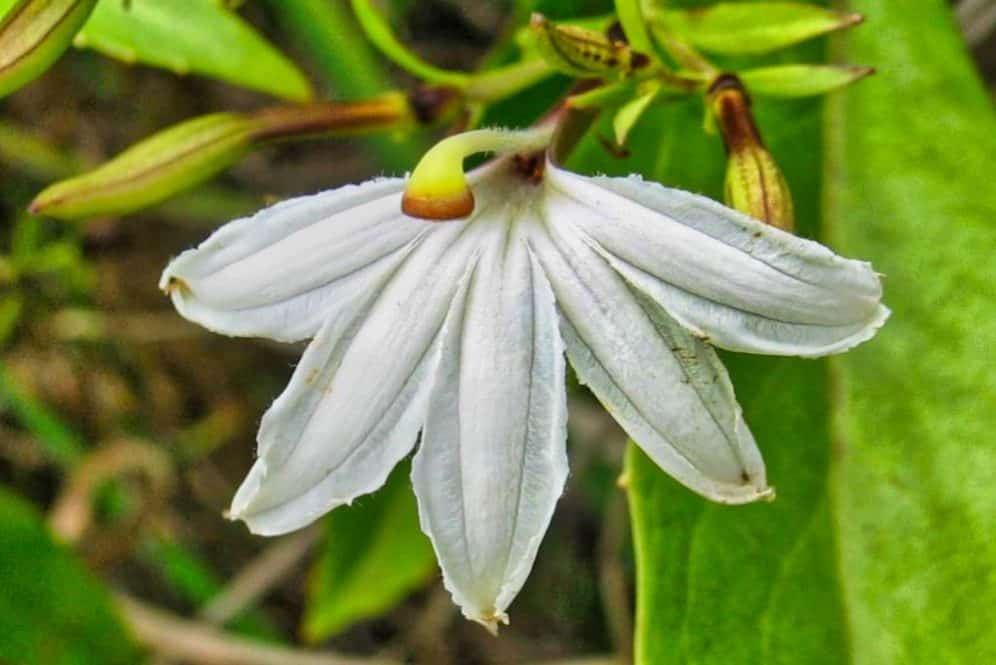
x,y
438,209
530,167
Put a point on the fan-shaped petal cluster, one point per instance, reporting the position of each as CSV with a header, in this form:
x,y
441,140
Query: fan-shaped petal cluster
x,y
458,331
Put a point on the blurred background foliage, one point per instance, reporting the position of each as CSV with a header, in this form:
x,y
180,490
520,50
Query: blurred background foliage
x,y
124,430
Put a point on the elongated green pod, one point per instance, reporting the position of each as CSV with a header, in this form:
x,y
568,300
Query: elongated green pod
x,y
33,34
152,170
186,154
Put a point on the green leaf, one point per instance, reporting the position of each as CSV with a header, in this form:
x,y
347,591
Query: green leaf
x,y
51,609
751,27
631,112
59,440
912,177
801,80
327,33
379,33
634,25
373,556
195,36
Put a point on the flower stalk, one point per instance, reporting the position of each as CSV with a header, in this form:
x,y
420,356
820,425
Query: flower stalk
x,y
437,189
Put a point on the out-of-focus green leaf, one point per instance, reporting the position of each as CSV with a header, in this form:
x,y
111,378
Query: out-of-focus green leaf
x,y
327,32
11,305
912,188
28,152
193,36
51,609
61,443
631,112
374,554
379,33
801,80
751,27
33,34
194,580
634,25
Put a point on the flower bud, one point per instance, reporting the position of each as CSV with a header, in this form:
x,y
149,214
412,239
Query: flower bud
x,y
746,28
193,151
33,34
580,52
152,170
754,183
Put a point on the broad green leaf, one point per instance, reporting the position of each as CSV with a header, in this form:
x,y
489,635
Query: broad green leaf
x,y
51,609
373,556
912,188
751,27
193,36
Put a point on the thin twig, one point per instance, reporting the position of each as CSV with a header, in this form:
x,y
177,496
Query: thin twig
x,y
259,576
73,510
199,643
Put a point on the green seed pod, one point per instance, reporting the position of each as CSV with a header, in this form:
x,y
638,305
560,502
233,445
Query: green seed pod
x,y
152,170
754,183
580,52
33,34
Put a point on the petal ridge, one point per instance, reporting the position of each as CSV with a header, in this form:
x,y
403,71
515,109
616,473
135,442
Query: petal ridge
x,y
645,369
356,402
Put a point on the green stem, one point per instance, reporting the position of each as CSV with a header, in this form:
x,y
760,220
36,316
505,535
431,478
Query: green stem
x,y
496,84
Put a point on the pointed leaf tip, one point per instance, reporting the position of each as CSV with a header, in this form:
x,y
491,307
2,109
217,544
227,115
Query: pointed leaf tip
x,y
751,28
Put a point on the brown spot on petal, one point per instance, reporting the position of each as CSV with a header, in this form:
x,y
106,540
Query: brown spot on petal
x,y
438,208
176,285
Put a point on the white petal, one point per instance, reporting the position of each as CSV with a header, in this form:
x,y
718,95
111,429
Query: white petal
x,y
284,271
666,388
493,462
733,280
357,400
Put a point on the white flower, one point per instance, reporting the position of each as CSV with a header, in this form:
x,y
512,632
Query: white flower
x,y
457,330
